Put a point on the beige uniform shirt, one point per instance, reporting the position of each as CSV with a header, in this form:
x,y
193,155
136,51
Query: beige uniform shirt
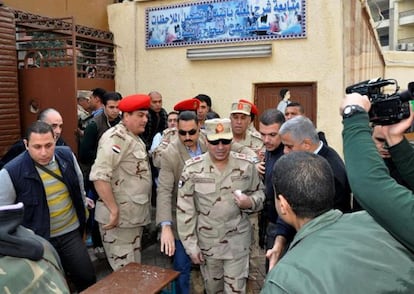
x,y
252,141
208,219
122,160
168,136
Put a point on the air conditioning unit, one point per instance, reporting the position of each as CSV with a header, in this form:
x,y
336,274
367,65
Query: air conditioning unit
x,y
402,47
410,47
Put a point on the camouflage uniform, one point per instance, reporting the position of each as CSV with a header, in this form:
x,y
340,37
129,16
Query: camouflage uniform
x,y
256,144
252,141
122,161
254,131
210,222
22,275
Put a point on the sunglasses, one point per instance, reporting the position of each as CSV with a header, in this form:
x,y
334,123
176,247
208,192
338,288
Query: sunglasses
x,y
223,141
190,132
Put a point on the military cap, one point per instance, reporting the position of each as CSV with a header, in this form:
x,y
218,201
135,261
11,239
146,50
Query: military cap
x,y
241,107
218,128
254,109
187,104
134,102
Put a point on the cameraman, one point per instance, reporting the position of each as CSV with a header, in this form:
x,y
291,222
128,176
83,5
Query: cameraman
x,y
389,203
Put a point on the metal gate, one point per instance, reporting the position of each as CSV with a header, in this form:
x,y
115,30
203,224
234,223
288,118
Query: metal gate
x,y
55,59
9,98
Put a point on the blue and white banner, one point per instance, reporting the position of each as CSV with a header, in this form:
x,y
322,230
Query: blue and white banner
x,y
213,22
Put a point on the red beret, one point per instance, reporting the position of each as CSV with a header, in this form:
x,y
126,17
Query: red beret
x,y
187,104
254,109
134,102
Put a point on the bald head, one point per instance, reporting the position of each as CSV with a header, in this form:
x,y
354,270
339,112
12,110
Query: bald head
x,y
156,101
53,118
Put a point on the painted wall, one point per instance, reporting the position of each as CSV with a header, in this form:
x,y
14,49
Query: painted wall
x,y
400,66
318,58
91,13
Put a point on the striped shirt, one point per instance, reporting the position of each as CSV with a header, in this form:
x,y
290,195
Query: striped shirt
x,y
63,218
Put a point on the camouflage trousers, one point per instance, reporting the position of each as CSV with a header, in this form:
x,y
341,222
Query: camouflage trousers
x,y
122,245
254,258
225,275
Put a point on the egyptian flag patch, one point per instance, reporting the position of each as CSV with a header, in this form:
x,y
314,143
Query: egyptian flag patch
x,y
116,148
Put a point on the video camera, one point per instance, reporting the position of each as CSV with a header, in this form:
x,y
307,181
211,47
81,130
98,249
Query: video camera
x,y
386,109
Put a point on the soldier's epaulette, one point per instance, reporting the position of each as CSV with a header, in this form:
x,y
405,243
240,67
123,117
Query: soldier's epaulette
x,y
241,156
256,136
194,160
118,133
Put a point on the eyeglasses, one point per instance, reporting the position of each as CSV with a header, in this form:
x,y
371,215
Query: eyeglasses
x,y
190,132
223,141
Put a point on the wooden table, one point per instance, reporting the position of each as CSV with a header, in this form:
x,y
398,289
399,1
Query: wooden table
x,y
135,278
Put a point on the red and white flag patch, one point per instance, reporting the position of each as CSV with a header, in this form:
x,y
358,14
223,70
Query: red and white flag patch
x,y
116,148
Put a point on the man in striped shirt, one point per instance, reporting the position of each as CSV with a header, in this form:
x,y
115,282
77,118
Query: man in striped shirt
x,y
48,180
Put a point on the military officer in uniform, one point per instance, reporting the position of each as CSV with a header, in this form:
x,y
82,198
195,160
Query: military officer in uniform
x,y
241,118
169,135
122,178
187,145
254,111
216,192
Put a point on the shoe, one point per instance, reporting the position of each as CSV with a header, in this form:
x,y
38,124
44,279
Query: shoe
x,y
100,253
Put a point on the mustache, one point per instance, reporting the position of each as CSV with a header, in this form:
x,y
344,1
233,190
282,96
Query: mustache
x,y
188,140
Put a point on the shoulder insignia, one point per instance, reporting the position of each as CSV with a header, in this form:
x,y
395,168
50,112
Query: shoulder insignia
x,y
118,132
239,155
194,160
242,156
256,136
116,148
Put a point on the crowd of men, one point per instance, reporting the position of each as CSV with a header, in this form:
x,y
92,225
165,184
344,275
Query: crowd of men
x,y
222,191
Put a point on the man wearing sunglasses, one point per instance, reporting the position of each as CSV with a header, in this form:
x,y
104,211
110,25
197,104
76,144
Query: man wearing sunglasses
x,y
216,192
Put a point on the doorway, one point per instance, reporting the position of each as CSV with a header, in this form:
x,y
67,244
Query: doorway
x,y
267,96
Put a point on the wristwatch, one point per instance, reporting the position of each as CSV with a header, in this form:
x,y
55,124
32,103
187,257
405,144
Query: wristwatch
x,y
350,110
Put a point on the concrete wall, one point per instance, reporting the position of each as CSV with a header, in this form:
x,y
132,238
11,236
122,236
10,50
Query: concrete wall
x,y
91,13
318,58
400,66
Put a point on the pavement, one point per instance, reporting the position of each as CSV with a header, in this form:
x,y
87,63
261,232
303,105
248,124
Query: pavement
x,y
151,255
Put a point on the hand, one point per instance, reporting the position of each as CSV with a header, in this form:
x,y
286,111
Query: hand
x,y
275,253
167,240
260,167
89,203
355,99
395,133
242,200
197,258
113,220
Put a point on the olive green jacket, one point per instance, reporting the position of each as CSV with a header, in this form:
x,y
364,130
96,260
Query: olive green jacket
x,y
343,253
389,203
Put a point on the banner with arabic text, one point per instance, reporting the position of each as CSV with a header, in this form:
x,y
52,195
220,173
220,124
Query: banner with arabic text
x,y
227,21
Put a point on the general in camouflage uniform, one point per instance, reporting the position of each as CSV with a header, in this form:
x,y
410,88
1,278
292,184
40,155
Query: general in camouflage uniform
x,y
216,193
122,178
